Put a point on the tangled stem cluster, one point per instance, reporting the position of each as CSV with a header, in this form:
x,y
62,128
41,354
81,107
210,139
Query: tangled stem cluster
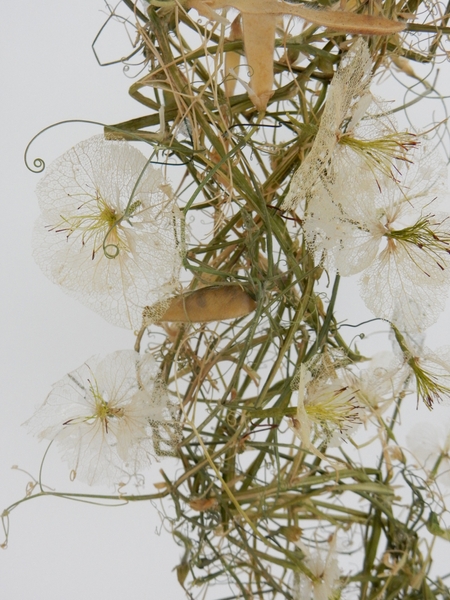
x,y
290,176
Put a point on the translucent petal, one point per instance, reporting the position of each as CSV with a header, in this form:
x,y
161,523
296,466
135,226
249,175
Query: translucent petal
x,y
348,85
400,273
113,250
103,415
428,441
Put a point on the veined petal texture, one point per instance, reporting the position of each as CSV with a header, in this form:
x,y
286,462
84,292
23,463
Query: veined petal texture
x,y
108,234
106,415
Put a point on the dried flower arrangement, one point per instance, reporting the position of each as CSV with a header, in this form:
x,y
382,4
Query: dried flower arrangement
x,y
289,172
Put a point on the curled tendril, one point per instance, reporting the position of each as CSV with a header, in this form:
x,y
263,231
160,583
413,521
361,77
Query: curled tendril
x,y
127,68
114,246
124,21
250,70
39,163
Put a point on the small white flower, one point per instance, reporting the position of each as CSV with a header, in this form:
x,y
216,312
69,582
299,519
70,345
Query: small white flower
x,y
325,567
349,84
381,382
327,408
354,132
392,235
107,235
104,416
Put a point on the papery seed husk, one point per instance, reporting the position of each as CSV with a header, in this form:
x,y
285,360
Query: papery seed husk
x,y
259,42
232,59
213,303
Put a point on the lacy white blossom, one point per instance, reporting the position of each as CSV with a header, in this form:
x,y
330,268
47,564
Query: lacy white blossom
x,y
353,128
430,444
325,567
391,233
327,407
381,382
108,234
350,82
106,417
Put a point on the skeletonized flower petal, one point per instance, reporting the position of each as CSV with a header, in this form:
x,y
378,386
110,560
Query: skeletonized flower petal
x,y
108,235
390,232
349,84
381,382
104,417
355,133
430,444
405,272
325,567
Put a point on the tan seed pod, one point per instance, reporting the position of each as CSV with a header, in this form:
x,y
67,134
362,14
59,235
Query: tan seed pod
x,y
232,59
213,303
259,20
338,20
203,504
258,28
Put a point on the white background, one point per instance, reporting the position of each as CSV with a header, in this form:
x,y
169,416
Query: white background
x,y
61,549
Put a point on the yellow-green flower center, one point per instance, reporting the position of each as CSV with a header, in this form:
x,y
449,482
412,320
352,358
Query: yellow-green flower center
x,y
380,153
100,225
104,411
332,408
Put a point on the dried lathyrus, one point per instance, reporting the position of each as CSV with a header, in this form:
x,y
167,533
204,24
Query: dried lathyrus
x,y
105,417
108,234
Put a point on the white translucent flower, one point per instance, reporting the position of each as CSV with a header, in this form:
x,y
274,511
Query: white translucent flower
x,y
108,234
106,415
325,567
380,382
349,84
354,132
430,371
430,443
327,408
391,234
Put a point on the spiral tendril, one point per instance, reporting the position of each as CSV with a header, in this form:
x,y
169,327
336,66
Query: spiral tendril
x,y
107,253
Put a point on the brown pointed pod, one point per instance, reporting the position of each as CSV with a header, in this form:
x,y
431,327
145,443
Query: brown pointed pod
x,y
232,59
258,18
338,20
213,303
259,43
